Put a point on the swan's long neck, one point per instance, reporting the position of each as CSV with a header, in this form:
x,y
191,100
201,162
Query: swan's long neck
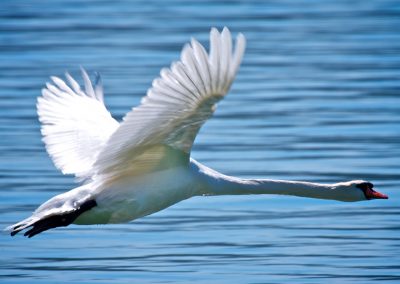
x,y
215,183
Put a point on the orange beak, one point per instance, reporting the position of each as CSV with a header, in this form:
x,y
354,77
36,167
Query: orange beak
x,y
372,194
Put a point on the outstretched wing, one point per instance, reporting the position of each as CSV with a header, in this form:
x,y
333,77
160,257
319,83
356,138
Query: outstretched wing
x,y
75,123
161,130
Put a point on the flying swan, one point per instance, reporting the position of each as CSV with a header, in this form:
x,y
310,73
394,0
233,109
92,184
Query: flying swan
x,y
143,165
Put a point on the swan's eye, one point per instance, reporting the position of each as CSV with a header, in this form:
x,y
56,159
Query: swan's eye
x,y
366,188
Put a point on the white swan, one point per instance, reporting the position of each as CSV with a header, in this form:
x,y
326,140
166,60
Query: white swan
x,y
142,165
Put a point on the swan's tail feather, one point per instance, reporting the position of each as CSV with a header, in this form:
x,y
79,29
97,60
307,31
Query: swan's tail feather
x,y
50,221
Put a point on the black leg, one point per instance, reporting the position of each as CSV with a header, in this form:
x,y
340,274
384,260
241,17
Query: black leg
x,y
56,220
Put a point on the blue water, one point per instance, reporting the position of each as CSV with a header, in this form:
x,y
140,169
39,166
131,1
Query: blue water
x,y
317,98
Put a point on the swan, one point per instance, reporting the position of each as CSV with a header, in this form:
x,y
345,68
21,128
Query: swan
x,y
142,165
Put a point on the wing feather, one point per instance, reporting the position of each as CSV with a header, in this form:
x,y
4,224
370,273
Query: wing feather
x,y
88,84
75,123
166,122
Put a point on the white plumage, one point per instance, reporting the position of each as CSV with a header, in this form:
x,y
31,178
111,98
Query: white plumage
x,y
75,123
142,165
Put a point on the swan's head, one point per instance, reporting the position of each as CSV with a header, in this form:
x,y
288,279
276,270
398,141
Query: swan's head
x,y
358,190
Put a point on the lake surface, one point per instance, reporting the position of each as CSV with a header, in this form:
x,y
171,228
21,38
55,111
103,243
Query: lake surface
x,y
317,98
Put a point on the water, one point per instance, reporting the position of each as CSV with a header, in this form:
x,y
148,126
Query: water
x,y
317,98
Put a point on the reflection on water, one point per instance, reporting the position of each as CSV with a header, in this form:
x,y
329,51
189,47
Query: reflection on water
x,y
317,98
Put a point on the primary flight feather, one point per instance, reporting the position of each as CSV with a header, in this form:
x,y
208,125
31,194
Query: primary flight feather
x,y
143,165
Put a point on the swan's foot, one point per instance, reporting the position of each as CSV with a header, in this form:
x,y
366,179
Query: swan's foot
x,y
54,221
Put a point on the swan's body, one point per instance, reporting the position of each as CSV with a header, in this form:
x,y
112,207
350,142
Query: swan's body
x,y
143,165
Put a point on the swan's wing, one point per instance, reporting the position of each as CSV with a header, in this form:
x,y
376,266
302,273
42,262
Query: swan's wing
x,y
75,123
162,129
